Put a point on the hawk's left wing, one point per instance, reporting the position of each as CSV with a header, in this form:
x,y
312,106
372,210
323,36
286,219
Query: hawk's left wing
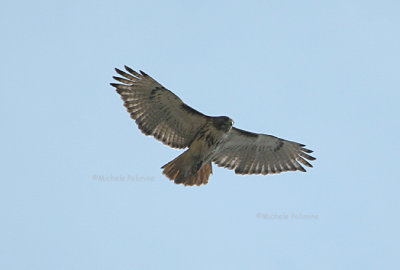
x,y
251,153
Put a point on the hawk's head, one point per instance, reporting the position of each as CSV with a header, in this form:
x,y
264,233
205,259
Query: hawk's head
x,y
223,123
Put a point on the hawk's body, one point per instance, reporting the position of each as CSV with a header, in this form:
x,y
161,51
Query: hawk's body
x,y
160,113
201,151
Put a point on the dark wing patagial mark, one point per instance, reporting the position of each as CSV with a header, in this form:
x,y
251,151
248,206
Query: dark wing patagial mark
x,y
245,133
190,110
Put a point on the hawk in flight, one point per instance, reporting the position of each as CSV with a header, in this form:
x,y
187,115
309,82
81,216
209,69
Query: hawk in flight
x,y
160,113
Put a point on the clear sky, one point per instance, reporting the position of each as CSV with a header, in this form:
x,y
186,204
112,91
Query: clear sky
x,y
81,186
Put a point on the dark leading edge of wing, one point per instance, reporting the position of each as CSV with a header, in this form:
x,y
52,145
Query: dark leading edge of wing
x,y
156,110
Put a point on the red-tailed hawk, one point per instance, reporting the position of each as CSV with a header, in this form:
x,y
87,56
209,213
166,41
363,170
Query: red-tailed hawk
x,y
160,113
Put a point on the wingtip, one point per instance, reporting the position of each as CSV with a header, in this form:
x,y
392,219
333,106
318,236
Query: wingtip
x,y
143,73
306,150
302,169
128,68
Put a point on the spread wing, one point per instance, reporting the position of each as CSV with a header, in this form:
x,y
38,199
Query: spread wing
x,y
250,153
158,111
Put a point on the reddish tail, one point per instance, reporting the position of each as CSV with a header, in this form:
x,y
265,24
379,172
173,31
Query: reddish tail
x,y
184,170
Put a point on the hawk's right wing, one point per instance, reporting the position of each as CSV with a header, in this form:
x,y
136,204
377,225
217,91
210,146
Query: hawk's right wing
x,y
158,111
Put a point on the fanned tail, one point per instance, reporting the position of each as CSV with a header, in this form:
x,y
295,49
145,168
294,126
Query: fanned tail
x,y
185,170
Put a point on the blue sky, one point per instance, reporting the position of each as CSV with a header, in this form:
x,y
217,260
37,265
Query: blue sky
x,y
325,74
